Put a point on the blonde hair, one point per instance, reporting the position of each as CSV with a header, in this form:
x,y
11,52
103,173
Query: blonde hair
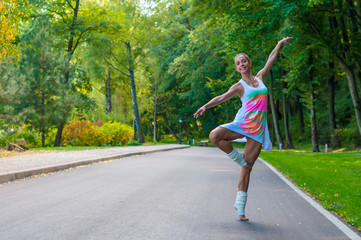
x,y
239,54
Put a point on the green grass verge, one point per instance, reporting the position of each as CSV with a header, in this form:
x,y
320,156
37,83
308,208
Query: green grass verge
x,y
334,179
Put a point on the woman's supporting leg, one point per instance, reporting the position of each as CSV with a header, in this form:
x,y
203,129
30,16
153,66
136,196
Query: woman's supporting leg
x,y
221,137
251,154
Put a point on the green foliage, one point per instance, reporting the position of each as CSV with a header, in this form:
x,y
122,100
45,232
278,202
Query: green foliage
x,y
81,133
182,56
50,137
86,133
45,98
32,137
11,87
348,137
115,132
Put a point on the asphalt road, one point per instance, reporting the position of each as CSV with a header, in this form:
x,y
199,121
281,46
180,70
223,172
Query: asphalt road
x,y
180,194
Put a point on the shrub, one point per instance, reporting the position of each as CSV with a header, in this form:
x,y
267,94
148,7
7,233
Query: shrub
x,y
85,133
116,132
79,133
32,138
347,137
98,138
5,139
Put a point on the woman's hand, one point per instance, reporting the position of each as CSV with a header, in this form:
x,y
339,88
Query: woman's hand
x,y
285,41
199,112
272,57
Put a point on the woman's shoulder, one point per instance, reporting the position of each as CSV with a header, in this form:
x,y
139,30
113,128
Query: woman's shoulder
x,y
238,88
259,77
238,85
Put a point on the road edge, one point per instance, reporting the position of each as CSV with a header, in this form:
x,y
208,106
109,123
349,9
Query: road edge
x,y
337,222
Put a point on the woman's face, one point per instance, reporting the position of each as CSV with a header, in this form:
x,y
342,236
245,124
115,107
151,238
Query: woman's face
x,y
242,64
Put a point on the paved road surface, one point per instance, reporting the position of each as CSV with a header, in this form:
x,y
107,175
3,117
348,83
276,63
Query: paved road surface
x,y
180,194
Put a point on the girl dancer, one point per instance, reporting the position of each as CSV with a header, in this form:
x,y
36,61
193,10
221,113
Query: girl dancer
x,y
250,121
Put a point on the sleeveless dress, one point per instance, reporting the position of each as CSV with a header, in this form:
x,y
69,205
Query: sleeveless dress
x,y
251,119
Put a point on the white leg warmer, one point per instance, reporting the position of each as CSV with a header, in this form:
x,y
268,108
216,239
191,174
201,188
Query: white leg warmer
x,y
237,157
241,202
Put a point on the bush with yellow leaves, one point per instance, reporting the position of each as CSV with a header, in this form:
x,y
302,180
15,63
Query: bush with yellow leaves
x,y
116,132
86,133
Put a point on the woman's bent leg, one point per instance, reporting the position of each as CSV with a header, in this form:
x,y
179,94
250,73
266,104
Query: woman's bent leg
x,y
221,136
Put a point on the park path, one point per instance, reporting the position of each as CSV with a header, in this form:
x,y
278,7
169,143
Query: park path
x,y
180,194
13,168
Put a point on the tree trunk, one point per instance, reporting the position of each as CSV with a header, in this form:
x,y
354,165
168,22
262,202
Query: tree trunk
x,y
331,101
301,122
312,108
348,67
155,111
108,97
155,120
314,124
66,74
134,132
358,67
168,126
285,116
155,124
43,135
134,94
353,91
42,120
273,110
355,31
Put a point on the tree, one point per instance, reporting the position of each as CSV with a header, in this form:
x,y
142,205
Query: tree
x,y
334,28
312,104
126,49
12,85
274,112
42,66
285,107
8,18
331,102
73,22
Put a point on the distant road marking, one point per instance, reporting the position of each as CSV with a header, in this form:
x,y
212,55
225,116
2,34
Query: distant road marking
x,y
342,226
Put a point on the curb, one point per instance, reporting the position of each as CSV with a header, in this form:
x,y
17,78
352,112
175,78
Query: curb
x,y
20,174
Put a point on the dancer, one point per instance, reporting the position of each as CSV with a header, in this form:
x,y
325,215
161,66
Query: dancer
x,y
250,121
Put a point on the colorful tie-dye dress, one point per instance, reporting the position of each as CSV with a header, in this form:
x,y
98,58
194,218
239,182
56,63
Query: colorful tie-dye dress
x,y
251,119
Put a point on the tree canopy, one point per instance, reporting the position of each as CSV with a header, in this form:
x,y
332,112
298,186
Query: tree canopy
x,y
152,64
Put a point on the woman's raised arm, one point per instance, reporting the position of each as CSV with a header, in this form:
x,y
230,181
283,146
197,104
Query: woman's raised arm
x,y
236,89
272,57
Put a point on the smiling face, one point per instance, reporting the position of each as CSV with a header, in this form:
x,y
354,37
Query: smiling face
x,y
243,65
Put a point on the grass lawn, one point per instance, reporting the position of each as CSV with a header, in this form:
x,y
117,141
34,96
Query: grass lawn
x,y
333,178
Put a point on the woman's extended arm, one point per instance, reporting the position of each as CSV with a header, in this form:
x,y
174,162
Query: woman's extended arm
x,y
236,89
272,57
